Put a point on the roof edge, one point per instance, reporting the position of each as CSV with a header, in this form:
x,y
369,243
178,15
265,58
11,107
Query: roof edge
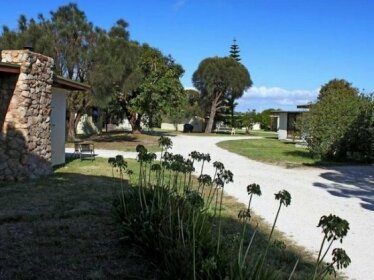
x,y
9,68
59,81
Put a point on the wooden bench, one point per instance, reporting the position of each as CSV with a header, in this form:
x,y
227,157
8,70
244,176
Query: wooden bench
x,y
84,149
224,129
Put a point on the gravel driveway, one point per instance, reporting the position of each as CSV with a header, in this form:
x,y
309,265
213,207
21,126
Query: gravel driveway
x,y
346,191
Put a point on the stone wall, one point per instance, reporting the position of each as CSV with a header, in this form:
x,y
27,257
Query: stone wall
x,y
25,140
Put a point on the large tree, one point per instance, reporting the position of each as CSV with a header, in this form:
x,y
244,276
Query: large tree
x,y
216,78
159,90
113,61
74,39
143,81
337,87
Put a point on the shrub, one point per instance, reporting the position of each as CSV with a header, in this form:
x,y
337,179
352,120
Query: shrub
x,y
341,127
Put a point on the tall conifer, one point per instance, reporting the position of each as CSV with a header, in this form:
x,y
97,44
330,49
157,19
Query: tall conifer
x,y
234,51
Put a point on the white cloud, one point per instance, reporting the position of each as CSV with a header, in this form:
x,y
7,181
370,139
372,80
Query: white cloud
x,y
277,96
277,93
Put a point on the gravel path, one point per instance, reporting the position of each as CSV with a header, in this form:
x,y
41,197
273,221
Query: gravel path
x,y
346,191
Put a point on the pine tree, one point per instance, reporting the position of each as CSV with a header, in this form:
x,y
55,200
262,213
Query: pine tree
x,y
234,51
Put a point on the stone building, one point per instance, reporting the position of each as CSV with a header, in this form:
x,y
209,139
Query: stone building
x,y
32,115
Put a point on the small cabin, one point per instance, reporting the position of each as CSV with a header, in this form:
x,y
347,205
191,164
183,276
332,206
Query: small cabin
x,y
32,114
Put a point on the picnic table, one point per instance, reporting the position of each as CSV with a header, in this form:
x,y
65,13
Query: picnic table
x,y
84,149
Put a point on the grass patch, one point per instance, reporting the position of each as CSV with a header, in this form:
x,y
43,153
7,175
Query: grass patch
x,y
271,151
61,227
264,133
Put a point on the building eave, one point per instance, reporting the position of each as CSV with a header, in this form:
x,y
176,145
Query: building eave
x,y
293,112
9,68
61,82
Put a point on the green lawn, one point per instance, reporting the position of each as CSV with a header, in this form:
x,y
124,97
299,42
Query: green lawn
x,y
270,151
61,227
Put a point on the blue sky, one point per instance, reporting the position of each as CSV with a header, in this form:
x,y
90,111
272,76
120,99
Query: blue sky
x,y
290,47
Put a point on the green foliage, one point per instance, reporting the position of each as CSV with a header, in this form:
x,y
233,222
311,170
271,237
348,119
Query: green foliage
x,y
284,197
265,119
195,105
113,61
216,78
340,126
337,87
249,118
234,51
139,78
334,228
160,90
143,81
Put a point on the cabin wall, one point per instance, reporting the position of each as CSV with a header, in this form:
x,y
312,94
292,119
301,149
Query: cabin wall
x,y
25,138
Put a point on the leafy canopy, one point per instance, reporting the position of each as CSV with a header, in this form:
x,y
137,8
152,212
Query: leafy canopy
x,y
217,78
337,86
221,75
340,125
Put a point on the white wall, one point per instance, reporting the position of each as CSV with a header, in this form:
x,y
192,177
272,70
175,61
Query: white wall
x,y
58,124
282,126
256,126
86,126
195,121
169,126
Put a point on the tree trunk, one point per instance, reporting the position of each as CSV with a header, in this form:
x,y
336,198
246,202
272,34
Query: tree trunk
x,y
232,108
71,126
74,118
134,120
77,118
213,110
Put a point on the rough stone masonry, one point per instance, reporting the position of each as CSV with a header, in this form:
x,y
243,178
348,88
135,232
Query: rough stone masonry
x,y
25,109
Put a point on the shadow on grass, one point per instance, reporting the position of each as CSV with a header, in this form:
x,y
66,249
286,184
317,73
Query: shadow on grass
x,y
350,182
120,137
61,227
159,133
269,137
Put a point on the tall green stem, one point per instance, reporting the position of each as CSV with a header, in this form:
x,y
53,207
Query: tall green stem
x,y
271,234
319,255
219,223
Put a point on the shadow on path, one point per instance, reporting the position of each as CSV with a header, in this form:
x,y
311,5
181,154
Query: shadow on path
x,y
351,182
